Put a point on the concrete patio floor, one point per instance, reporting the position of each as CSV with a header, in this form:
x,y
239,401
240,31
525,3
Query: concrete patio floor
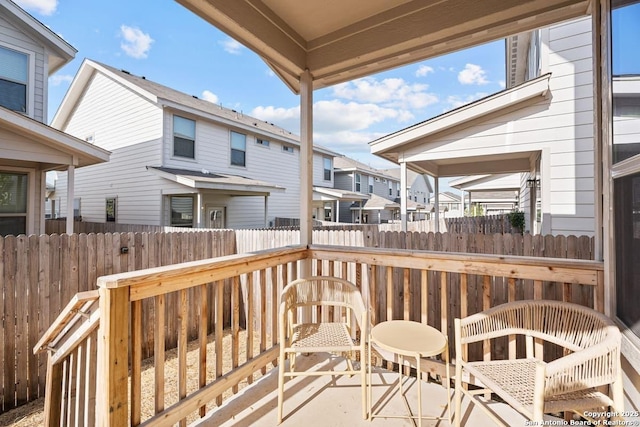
x,y
336,401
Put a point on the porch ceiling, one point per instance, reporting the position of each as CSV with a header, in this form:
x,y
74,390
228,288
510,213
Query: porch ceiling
x,y
339,40
499,163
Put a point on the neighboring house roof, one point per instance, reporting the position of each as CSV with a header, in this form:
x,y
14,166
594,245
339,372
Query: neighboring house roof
x,y
69,146
446,197
346,164
231,184
59,52
343,195
168,97
390,146
411,177
377,203
493,196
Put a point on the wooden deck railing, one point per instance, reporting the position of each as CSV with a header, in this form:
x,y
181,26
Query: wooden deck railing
x,y
71,345
431,287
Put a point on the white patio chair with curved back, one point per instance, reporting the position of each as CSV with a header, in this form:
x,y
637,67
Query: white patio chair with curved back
x,y
588,378
333,335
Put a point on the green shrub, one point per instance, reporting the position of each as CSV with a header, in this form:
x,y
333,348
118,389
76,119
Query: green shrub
x,y
516,219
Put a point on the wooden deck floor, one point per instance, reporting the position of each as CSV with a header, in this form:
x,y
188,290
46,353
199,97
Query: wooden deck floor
x,y
336,401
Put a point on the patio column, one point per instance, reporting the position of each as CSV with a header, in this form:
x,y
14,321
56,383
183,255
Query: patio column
x,y
306,164
266,211
403,196
436,182
71,172
199,209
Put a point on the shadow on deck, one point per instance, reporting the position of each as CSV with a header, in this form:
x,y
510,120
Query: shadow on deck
x,y
335,401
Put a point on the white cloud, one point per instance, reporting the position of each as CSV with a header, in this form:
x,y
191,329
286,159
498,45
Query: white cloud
x,y
58,79
456,101
391,93
502,84
135,43
207,95
231,46
269,72
423,70
43,7
473,74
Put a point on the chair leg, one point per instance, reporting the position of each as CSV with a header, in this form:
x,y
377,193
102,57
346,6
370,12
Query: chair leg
x,y
281,361
458,394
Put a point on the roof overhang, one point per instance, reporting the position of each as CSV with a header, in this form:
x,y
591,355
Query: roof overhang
x,y
498,182
232,185
391,145
59,52
79,152
338,41
325,193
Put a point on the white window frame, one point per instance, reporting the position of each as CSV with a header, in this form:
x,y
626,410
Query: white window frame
x,y
31,70
231,149
173,138
357,182
325,170
31,184
371,186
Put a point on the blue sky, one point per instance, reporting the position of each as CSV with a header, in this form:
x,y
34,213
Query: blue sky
x,y
166,43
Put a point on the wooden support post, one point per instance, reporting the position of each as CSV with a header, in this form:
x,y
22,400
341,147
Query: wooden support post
x,y
53,392
113,381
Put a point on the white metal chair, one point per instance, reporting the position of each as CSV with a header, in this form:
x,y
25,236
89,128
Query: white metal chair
x,y
331,332
587,378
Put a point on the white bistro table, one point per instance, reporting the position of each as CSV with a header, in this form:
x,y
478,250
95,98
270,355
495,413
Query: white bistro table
x,y
414,340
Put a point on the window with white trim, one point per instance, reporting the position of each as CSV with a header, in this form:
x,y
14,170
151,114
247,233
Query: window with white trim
x,y
110,209
262,142
14,191
184,137
328,168
238,149
287,149
358,178
14,76
181,211
370,185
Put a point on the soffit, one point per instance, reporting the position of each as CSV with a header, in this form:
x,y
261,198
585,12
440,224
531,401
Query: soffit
x,y
339,40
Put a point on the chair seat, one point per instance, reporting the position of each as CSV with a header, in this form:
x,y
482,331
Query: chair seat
x,y
313,337
514,381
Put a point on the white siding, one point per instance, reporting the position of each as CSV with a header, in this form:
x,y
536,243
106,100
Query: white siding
x,y
114,116
13,38
139,192
561,124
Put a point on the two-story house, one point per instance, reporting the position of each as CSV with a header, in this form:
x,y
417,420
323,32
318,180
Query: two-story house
x,y
379,190
29,54
178,160
540,126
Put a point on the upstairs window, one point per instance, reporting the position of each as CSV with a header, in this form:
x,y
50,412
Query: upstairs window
x,y
358,179
184,137
13,79
238,149
328,167
287,149
390,188
370,185
263,142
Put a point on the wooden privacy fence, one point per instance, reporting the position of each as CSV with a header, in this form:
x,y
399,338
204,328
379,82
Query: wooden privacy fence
x,y
488,224
39,275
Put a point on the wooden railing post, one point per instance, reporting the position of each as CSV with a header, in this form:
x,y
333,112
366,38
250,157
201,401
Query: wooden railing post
x,y
113,369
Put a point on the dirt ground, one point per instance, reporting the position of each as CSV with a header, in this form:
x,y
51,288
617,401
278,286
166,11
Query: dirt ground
x,y
32,414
